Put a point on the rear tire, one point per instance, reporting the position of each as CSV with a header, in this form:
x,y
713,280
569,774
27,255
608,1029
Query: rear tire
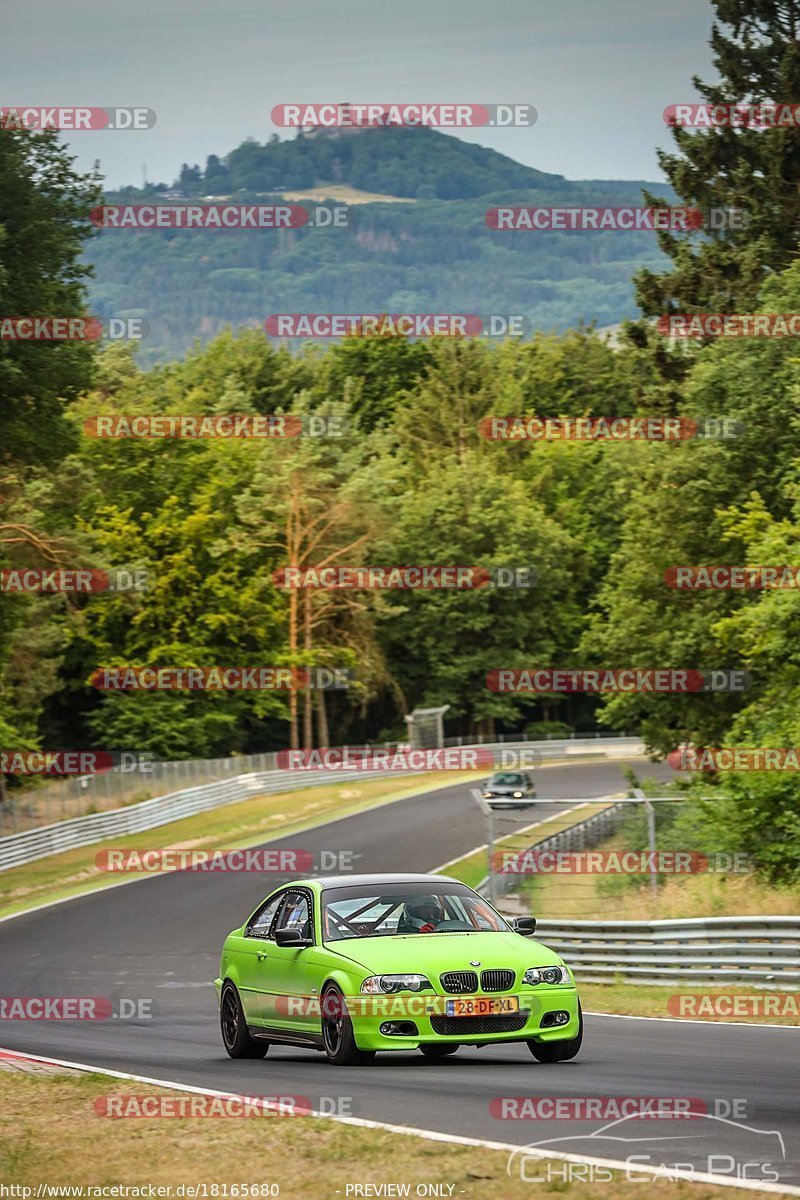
x,y
235,1038
432,1050
337,1032
552,1052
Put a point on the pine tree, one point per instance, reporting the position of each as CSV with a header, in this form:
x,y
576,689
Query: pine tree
x,y
757,170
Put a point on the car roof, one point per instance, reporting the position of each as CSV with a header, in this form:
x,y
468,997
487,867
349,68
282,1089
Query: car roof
x,y
335,881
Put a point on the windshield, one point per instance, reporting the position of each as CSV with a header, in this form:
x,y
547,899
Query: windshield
x,y
406,910
507,780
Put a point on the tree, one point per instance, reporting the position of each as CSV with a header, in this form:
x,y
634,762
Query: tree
x,y
309,505
456,500
676,514
374,370
756,46
44,222
190,179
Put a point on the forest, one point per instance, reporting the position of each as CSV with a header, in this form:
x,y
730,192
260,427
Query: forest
x,y
391,468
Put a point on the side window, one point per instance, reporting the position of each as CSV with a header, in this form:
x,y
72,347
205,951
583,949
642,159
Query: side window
x,y
260,924
295,913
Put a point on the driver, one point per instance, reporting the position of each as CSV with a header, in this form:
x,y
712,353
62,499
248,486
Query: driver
x,y
421,916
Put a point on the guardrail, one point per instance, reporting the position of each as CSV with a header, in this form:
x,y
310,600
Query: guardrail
x,y
41,842
27,847
761,952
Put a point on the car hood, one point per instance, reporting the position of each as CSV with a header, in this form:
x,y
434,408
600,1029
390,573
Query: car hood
x,y
437,952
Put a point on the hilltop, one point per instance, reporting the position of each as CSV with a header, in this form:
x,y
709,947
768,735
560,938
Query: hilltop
x,y
431,253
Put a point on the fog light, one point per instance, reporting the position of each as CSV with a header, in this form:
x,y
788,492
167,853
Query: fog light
x,y
555,1018
399,1029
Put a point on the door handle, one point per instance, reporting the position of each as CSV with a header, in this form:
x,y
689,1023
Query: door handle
x,y
261,955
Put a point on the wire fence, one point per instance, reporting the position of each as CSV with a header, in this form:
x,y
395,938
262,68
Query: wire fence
x,y
84,795
637,857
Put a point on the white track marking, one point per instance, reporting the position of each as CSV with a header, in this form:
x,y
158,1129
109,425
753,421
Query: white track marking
x,y
692,1020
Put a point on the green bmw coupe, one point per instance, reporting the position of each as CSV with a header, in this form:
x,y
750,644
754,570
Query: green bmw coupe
x,y
352,965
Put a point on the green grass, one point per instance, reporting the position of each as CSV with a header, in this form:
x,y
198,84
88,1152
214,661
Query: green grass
x,y
647,1000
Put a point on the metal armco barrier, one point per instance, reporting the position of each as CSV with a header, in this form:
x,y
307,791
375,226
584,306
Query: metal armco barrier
x,y
149,814
41,842
762,952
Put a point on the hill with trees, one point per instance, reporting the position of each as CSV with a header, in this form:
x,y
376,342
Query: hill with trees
x,y
432,254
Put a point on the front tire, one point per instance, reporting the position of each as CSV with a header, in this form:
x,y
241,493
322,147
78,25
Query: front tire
x,y
432,1050
337,1032
552,1052
237,1041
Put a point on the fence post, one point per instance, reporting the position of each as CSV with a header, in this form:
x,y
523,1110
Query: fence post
x,y
490,863
651,838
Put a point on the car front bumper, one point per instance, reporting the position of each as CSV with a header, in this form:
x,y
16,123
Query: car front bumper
x,y
432,1026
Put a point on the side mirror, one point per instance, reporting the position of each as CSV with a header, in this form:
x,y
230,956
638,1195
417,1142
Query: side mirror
x,y
525,926
291,937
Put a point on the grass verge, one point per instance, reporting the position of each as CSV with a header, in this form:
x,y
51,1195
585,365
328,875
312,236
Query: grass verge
x,y
304,1157
631,898
644,1000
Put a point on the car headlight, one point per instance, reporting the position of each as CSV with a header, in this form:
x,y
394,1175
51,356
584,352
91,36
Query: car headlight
x,y
536,975
382,984
487,795
517,795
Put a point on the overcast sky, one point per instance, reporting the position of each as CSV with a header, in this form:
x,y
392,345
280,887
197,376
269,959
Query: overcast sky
x,y
599,72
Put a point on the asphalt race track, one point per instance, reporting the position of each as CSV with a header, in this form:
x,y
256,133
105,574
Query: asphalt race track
x,y
159,939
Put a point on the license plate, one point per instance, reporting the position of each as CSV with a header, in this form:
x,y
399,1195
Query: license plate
x,y
481,1006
